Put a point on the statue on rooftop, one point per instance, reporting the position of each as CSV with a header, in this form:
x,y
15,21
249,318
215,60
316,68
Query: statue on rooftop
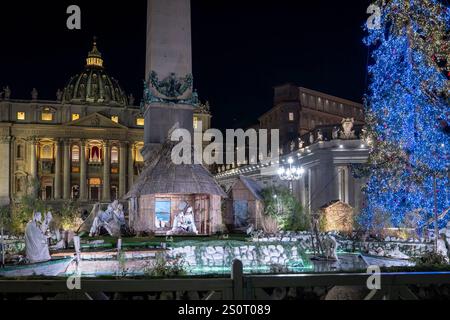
x,y
292,146
347,125
131,99
300,143
319,135
59,95
335,134
34,94
7,92
311,138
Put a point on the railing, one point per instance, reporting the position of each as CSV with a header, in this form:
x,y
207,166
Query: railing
x,y
237,287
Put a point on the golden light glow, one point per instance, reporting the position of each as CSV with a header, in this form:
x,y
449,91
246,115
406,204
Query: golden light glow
x,y
95,181
195,122
291,116
115,119
75,116
114,170
20,115
97,62
138,155
46,152
47,116
140,122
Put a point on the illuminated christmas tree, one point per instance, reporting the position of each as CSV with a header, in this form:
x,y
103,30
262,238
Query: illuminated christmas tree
x,y
407,112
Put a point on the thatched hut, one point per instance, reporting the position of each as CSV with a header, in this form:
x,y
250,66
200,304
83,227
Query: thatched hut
x,y
163,187
245,205
337,216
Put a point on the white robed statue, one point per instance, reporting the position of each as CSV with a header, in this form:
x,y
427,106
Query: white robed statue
x,y
36,243
112,220
189,221
102,220
184,221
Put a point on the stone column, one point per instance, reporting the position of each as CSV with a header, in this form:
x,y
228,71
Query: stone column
x,y
66,170
83,171
33,158
122,169
131,150
106,171
33,166
57,170
5,170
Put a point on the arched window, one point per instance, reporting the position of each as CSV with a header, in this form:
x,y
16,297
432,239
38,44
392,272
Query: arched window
x,y
114,155
95,154
19,154
75,154
46,151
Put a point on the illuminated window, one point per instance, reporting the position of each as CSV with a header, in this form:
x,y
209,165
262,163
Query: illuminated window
x,y
115,119
95,181
291,116
114,155
140,121
94,62
195,123
46,116
20,115
114,170
75,116
95,154
46,152
75,154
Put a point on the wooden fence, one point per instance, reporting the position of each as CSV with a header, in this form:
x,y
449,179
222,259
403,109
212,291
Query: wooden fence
x,y
237,287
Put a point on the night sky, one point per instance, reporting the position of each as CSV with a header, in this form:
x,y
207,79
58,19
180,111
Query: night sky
x,y
241,49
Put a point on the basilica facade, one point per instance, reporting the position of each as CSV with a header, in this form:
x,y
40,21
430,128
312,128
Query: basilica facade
x,y
85,145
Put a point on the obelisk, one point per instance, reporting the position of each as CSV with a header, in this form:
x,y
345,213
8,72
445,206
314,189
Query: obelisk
x,y
168,93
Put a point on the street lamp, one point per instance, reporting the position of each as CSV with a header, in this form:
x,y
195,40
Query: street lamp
x,y
291,173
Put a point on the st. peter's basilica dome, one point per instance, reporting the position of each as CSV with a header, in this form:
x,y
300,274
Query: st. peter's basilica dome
x,y
94,85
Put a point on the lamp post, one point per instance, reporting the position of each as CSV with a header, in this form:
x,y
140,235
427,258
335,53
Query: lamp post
x,y
291,173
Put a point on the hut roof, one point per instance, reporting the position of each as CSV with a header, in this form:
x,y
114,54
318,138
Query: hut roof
x,y
253,186
162,176
335,203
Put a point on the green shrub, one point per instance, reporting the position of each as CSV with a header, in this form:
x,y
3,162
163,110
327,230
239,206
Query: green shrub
x,y
280,204
22,213
431,259
161,267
